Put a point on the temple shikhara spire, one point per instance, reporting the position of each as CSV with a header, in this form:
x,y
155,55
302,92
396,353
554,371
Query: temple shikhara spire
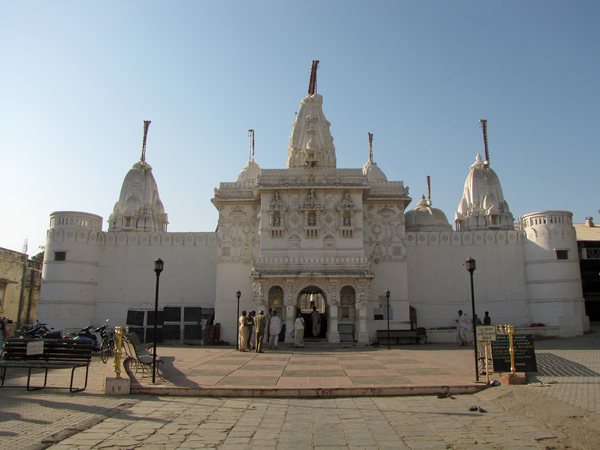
x,y
146,126
312,86
485,141
311,144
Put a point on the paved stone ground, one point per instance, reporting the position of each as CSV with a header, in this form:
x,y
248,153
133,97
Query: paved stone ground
x,y
324,367
328,424
568,372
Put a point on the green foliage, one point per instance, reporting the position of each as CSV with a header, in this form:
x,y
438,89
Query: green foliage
x,y
38,258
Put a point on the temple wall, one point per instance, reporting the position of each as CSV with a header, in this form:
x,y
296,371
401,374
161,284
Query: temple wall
x,y
104,274
439,284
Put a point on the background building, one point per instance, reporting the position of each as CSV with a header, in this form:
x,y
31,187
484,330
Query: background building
x,y
19,288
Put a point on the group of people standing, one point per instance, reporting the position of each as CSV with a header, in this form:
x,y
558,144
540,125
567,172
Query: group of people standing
x,y
315,318
252,330
464,324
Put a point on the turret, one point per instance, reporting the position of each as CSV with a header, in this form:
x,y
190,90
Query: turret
x,y
70,273
552,272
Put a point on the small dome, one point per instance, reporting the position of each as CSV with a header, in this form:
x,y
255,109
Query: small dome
x,y
249,173
426,218
372,172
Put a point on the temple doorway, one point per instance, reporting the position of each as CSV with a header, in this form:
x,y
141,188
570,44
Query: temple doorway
x,y
313,299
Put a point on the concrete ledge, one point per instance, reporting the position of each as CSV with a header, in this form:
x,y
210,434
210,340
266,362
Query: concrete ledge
x,y
448,336
386,391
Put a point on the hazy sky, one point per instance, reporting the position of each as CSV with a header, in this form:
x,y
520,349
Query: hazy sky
x,y
77,80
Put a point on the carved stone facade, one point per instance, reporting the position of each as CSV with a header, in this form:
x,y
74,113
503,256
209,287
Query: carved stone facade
x,y
314,235
313,228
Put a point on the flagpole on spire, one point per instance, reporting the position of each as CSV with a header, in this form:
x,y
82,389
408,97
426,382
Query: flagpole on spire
x,y
485,141
146,126
312,86
370,147
251,153
429,189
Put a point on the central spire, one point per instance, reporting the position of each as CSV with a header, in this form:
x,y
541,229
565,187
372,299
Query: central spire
x,y
146,126
311,144
312,85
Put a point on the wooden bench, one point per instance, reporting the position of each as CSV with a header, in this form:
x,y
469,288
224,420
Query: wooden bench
x,y
139,355
397,336
56,354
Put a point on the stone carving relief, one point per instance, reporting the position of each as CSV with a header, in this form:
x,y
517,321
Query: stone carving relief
x,y
277,213
385,233
294,241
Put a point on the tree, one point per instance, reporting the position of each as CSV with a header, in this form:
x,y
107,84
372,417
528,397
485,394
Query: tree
x,y
38,258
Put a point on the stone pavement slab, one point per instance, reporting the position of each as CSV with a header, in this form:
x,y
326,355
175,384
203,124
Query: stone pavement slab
x,y
568,371
341,370
356,423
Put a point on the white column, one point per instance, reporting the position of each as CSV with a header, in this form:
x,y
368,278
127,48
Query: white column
x,y
333,334
363,334
289,324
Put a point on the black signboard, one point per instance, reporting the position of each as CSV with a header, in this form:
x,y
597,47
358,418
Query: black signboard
x,y
150,318
135,318
524,353
171,332
192,332
139,331
172,313
150,335
192,314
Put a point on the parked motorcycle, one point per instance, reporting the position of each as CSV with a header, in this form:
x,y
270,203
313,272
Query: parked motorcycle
x,y
89,334
39,330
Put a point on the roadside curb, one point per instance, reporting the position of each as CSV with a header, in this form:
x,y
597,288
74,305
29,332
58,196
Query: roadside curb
x,y
267,392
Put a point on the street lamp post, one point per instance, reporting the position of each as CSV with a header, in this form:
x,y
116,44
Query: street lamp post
x,y
471,265
387,305
158,268
238,294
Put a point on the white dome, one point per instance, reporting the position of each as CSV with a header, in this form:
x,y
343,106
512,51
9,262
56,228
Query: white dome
x,y
426,218
372,172
249,173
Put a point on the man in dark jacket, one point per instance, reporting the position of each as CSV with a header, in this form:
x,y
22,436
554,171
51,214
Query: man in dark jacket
x,y
260,323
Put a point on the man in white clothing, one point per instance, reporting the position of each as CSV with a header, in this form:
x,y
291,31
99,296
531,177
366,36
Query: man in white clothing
x,y
274,327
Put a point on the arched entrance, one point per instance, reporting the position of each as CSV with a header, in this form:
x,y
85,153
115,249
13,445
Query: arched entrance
x,y
275,300
312,299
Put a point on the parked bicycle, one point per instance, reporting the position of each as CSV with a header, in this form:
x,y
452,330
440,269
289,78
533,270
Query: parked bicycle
x,y
107,347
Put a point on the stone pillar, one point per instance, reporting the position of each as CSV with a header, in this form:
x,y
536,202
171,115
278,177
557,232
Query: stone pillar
x,y
333,334
333,298
289,323
361,309
290,311
363,334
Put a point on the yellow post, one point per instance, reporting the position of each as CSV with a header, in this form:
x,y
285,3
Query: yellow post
x,y
118,345
487,366
511,331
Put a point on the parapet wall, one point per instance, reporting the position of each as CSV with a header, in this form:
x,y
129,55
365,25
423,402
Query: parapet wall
x,y
464,238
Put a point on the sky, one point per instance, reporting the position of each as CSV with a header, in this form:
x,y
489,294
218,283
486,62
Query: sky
x,y
77,80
